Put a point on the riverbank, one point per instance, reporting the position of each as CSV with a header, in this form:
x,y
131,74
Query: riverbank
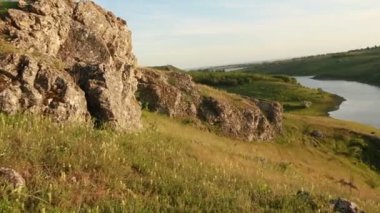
x,y
362,100
285,89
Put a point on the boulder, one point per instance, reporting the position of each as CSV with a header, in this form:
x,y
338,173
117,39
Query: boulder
x,y
345,206
317,134
96,75
12,177
306,104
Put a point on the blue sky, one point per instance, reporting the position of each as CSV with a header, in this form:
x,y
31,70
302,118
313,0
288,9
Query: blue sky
x,y
196,33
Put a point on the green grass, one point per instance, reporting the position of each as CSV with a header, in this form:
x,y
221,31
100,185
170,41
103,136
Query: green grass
x,y
171,166
360,65
271,87
5,5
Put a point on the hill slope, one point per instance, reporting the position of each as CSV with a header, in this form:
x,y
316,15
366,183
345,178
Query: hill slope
x,y
172,165
359,65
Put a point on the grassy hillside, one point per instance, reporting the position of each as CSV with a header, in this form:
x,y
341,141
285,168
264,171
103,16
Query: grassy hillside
x,y
168,68
171,165
174,165
281,88
360,65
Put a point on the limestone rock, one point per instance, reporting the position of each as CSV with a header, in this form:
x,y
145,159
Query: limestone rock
x,y
94,47
246,122
273,111
108,95
36,87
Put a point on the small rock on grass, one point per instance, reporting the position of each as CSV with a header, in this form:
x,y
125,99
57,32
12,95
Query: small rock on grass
x,y
12,177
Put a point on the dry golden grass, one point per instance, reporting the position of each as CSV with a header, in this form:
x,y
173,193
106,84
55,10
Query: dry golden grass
x,y
175,166
287,167
329,122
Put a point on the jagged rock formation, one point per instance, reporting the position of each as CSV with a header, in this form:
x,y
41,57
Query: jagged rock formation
x,y
94,73
242,120
30,86
273,112
175,94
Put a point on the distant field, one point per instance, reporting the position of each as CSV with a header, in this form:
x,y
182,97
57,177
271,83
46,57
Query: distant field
x,y
284,89
359,65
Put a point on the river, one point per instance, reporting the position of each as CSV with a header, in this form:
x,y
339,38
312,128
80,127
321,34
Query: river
x,y
362,100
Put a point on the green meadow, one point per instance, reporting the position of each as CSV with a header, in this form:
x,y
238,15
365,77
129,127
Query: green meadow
x,y
359,65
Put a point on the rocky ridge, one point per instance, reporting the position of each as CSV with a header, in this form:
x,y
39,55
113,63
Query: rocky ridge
x,y
175,94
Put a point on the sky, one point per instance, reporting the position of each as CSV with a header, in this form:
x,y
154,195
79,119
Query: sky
x,y
199,33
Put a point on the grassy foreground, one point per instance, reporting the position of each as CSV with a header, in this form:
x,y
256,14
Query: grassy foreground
x,y
174,166
359,65
280,88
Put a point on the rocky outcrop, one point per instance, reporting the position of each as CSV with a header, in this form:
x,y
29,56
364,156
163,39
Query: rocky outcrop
x,y
245,122
175,94
96,75
273,111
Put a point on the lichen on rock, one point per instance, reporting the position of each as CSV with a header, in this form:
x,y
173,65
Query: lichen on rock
x,y
30,86
94,49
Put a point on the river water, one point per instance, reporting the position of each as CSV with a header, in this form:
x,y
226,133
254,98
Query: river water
x,y
362,100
